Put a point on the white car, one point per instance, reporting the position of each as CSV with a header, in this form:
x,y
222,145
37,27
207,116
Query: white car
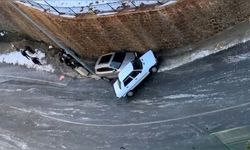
x,y
134,73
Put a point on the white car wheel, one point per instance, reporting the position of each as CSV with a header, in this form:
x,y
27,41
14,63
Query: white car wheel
x,y
130,93
154,69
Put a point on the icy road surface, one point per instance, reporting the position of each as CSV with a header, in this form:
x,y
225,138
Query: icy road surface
x,y
178,108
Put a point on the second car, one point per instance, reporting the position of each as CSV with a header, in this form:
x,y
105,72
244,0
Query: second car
x,y
109,65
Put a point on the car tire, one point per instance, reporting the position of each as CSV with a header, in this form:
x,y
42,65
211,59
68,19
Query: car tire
x,y
130,93
154,69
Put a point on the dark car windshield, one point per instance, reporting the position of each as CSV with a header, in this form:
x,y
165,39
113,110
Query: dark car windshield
x,y
117,60
105,59
137,64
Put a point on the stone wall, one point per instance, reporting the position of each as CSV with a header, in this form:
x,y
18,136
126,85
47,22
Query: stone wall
x,y
173,26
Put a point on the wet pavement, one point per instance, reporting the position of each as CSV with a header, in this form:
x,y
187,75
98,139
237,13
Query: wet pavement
x,y
176,109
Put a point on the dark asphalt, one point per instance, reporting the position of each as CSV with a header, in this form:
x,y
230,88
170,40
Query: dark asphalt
x,y
173,110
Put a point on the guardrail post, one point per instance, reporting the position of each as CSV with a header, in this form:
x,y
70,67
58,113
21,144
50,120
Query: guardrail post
x,y
72,10
52,7
111,7
29,2
132,2
36,3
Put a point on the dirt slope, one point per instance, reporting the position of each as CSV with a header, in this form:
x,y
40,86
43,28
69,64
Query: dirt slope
x,y
174,26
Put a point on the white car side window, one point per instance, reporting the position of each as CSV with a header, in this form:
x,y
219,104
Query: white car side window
x,y
127,80
134,74
105,69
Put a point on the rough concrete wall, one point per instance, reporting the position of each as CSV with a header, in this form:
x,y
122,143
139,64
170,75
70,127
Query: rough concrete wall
x,y
11,20
5,23
174,26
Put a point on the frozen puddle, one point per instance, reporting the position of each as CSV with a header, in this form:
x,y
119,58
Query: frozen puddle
x,y
16,58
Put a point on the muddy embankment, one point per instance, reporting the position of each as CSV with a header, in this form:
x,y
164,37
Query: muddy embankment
x,y
173,26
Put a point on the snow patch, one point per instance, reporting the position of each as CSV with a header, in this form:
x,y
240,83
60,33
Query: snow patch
x,y
68,16
183,96
31,90
107,13
28,5
10,90
167,104
145,102
178,61
42,125
168,3
21,109
55,113
85,118
137,111
17,58
238,58
3,33
14,141
187,58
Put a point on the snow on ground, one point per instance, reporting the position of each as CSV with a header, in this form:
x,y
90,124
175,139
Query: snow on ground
x,y
183,96
17,58
3,33
237,58
168,3
199,53
9,141
77,3
73,7
74,3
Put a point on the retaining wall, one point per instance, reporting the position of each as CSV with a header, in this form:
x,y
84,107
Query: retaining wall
x,y
173,26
